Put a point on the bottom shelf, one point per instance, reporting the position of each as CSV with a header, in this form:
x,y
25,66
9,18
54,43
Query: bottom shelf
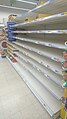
x,y
51,104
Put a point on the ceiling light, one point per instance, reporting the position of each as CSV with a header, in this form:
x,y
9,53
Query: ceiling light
x,y
27,2
17,8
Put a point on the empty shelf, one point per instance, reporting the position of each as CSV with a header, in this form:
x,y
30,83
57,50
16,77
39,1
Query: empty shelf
x,y
46,20
49,43
10,54
22,17
11,48
43,31
51,75
49,84
47,62
51,53
32,55
51,7
41,43
51,104
41,59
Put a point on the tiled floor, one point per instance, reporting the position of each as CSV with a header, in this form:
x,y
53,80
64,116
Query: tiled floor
x,y
16,100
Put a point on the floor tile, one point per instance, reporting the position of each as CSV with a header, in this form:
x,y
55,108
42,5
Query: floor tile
x,y
16,100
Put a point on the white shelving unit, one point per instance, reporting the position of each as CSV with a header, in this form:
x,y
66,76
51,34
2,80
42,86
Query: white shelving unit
x,y
43,31
22,17
51,7
52,76
38,90
41,43
53,87
49,43
42,51
62,17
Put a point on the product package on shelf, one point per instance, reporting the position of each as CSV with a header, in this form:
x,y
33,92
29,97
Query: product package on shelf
x,y
3,44
42,2
64,99
29,19
65,64
65,55
65,77
12,59
11,53
42,15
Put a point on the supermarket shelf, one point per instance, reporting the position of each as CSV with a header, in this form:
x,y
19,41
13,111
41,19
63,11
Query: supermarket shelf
x,y
54,54
49,63
51,75
21,18
42,94
49,43
62,17
11,48
43,31
51,7
39,60
48,52
40,56
49,84
11,54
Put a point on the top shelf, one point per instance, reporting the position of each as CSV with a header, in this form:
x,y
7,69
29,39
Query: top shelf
x,y
45,20
21,18
51,7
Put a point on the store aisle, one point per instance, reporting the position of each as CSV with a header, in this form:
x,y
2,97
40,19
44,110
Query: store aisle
x,y
16,100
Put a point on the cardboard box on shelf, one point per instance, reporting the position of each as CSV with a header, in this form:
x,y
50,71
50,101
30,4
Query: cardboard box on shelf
x,y
29,19
42,15
63,112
